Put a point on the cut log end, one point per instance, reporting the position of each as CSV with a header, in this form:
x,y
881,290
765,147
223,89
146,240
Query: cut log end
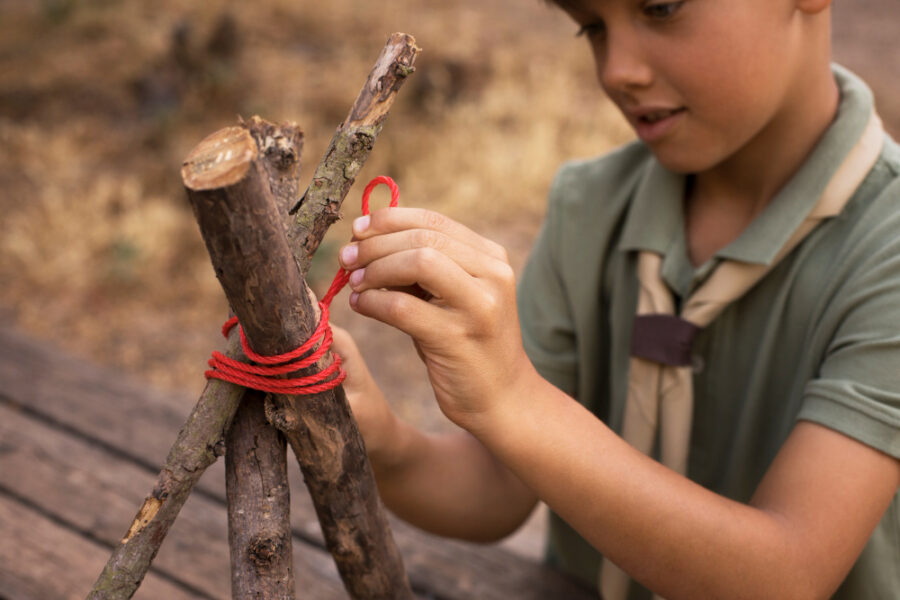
x,y
405,39
221,159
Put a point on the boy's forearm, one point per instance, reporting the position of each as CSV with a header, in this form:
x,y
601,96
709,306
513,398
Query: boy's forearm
x,y
673,535
450,484
638,513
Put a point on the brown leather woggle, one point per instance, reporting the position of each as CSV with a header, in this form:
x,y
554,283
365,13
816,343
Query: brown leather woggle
x,y
665,339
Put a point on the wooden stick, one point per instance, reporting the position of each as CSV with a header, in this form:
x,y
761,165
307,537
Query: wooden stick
x,y
256,483
259,504
350,146
200,442
201,439
279,147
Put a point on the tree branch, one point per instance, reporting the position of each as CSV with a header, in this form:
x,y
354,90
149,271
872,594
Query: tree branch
x,y
259,504
256,483
200,442
349,149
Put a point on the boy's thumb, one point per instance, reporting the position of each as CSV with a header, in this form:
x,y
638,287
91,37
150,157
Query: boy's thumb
x,y
345,346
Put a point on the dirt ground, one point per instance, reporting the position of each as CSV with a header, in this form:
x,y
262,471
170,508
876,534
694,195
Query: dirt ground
x,y
100,101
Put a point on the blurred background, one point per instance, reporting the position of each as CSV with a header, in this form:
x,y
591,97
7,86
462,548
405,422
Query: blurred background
x,y
100,100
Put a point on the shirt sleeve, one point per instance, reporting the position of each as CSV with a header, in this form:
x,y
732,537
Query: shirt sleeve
x,y
857,391
548,332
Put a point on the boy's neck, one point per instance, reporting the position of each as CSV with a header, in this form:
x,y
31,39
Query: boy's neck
x,y
721,202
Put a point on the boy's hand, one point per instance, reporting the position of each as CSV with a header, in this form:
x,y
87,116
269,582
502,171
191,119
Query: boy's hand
x,y
466,324
376,421
445,483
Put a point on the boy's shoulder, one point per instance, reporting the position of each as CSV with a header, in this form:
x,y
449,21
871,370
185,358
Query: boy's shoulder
x,y
890,156
871,220
879,193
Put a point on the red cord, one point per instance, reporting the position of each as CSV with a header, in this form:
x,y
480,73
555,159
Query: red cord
x,y
266,374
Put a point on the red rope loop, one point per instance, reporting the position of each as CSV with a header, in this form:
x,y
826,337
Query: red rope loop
x,y
266,374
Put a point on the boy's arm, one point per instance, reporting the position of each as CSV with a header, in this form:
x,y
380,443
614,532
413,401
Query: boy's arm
x,y
807,523
448,484
451,485
805,526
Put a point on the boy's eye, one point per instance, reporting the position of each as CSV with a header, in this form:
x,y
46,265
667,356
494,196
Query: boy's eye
x,y
662,10
592,30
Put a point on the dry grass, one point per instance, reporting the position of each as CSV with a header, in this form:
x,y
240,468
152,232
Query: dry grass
x,y
98,105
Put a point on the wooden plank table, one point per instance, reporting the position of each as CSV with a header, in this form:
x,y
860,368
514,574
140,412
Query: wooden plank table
x,y
80,447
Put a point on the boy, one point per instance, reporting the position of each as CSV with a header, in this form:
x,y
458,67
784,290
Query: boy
x,y
762,204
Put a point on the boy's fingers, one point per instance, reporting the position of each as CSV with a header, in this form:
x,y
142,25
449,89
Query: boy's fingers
x,y
430,269
413,316
389,220
353,363
344,345
361,253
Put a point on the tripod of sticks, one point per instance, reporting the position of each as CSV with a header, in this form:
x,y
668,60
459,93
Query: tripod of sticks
x,y
243,184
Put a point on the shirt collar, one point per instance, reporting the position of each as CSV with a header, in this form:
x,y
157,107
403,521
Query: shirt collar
x,y
656,217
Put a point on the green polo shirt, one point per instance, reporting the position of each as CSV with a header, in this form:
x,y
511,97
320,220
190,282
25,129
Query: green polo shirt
x,y
817,339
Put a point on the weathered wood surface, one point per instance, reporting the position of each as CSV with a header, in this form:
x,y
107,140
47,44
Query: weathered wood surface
x,y
40,560
119,418
244,235
90,490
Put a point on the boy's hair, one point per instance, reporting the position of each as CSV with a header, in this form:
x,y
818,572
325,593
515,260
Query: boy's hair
x,y
561,3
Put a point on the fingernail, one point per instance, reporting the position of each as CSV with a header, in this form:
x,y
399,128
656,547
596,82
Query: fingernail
x,y
356,277
361,224
349,254
354,299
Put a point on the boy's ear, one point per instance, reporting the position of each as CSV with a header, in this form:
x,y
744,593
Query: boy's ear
x,y
812,6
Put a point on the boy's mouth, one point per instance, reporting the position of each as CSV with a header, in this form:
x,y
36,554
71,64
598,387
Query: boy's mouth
x,y
654,124
658,115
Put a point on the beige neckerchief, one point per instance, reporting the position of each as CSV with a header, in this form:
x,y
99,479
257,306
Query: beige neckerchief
x,y
660,396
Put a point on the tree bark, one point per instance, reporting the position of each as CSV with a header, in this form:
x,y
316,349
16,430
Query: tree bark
x,y
244,235
259,524
259,519
201,440
350,146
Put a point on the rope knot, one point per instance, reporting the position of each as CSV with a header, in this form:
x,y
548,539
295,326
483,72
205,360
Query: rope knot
x,y
267,374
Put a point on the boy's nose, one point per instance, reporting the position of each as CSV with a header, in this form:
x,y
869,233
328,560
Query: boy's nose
x,y
623,67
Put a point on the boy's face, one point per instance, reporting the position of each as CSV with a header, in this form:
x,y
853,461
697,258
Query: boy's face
x,y
698,80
